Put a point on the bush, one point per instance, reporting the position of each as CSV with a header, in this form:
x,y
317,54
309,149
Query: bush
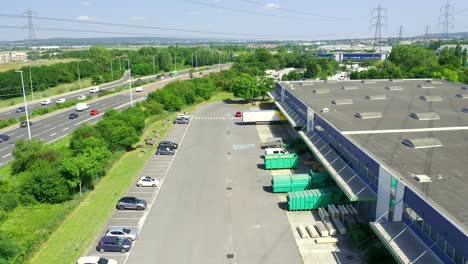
x,y
379,255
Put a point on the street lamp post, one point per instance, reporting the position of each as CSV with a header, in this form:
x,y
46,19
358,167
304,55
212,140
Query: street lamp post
x,y
25,104
175,61
30,80
219,60
112,70
79,77
130,81
154,67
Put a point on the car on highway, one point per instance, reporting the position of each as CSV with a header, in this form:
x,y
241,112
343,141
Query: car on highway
x,y
20,109
94,90
4,138
165,151
95,260
45,102
82,97
139,80
131,203
59,101
147,182
123,232
181,120
160,77
238,114
139,89
94,112
168,144
25,124
114,244
73,116
201,73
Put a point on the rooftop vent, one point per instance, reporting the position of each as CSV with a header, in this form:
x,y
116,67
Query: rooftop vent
x,y
394,88
342,101
368,115
462,96
325,110
321,91
349,87
425,116
422,178
376,97
465,88
425,86
417,143
430,98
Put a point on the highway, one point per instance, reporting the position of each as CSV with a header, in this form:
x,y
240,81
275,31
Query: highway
x,y
56,125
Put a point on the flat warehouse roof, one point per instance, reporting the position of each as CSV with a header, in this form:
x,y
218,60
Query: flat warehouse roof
x,y
414,127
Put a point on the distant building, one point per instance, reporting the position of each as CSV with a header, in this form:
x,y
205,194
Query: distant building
x,y
338,56
13,57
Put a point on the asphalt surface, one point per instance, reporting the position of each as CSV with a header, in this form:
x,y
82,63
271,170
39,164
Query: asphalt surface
x,y
212,206
56,125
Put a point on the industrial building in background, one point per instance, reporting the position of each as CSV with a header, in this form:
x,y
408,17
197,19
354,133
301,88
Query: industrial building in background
x,y
398,149
13,57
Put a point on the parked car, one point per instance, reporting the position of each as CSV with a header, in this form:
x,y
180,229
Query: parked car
x,y
45,102
94,90
165,151
82,97
95,260
168,144
4,138
238,114
72,116
131,203
94,112
181,120
25,124
123,232
115,244
61,100
20,109
139,89
148,182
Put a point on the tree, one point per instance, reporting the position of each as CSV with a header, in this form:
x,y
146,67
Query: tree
x,y
246,87
411,56
24,153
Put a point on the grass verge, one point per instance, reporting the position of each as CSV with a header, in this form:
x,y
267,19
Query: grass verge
x,y
79,229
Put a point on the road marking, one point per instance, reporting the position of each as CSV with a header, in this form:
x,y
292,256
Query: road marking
x,y
38,123
46,125
65,129
3,148
127,218
6,155
53,134
12,134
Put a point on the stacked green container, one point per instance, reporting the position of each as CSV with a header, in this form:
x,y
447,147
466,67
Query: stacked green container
x,y
289,183
281,161
313,199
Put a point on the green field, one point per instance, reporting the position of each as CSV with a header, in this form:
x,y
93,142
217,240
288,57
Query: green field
x,y
18,65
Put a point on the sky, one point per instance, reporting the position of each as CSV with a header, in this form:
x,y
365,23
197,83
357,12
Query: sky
x,y
224,19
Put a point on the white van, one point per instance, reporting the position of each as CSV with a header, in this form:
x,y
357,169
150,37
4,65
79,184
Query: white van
x,y
269,151
82,106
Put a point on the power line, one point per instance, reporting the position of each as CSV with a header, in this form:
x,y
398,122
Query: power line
x,y
379,17
400,33
426,32
446,18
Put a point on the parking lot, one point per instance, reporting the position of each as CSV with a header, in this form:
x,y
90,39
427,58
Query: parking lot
x,y
213,205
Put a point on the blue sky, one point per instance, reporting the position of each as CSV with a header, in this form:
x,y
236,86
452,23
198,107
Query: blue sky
x,y
237,19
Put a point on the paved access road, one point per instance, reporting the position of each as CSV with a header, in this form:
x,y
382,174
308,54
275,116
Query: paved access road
x,y
212,207
56,125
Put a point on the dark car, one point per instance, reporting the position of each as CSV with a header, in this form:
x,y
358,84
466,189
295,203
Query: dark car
x,y
4,138
116,244
20,109
181,120
139,80
168,144
25,124
131,203
165,151
72,116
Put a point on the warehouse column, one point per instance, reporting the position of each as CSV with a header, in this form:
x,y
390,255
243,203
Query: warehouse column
x,y
383,195
310,119
398,209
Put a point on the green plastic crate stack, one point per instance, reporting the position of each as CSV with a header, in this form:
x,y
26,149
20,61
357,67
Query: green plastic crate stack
x,y
313,199
289,183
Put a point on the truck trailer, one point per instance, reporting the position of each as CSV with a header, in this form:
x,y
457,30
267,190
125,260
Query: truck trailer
x,y
263,116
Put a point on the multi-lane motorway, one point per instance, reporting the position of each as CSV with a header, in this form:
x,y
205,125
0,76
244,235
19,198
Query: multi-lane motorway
x,y
56,125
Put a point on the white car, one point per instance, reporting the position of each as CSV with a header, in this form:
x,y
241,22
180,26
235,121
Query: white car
x,y
95,260
59,101
139,89
124,232
45,102
147,181
94,90
82,97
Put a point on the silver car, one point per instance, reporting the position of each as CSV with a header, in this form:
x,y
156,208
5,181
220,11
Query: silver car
x,y
124,232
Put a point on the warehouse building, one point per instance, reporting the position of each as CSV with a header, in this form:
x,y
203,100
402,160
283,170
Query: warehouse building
x,y
399,150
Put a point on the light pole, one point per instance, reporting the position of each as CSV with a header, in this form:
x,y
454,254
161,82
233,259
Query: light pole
x,y
112,70
25,105
79,77
154,68
219,60
175,61
130,80
30,80
196,60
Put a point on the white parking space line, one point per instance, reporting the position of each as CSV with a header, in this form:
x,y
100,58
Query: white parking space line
x,y
53,134
6,155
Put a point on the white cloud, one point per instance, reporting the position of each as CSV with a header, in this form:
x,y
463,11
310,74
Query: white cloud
x,y
272,6
83,18
86,3
137,18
